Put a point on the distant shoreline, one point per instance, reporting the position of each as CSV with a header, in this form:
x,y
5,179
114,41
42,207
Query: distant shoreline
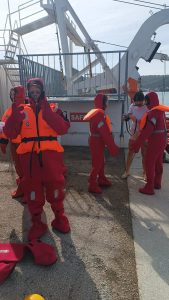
x,y
157,83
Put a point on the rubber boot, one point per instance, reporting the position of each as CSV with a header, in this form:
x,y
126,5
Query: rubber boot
x,y
18,193
65,171
61,222
103,181
24,199
55,196
94,188
157,186
158,179
37,229
147,189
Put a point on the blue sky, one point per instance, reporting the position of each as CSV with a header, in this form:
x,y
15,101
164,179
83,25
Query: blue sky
x,y
108,21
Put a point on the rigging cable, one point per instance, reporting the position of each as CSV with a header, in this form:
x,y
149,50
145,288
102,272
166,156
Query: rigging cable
x,y
97,41
147,2
126,2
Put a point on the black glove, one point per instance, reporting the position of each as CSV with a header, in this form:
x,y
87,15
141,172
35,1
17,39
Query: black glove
x,y
126,117
64,116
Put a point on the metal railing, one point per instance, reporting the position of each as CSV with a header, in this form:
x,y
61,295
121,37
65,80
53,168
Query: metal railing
x,y
87,74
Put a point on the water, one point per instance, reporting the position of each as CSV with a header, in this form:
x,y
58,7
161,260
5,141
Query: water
x,y
163,97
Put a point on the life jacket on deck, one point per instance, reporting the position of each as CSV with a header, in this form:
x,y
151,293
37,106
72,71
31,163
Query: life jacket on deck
x,y
37,139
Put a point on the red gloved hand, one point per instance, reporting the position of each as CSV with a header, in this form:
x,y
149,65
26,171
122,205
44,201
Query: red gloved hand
x,y
46,110
135,147
62,114
53,119
17,112
59,112
3,148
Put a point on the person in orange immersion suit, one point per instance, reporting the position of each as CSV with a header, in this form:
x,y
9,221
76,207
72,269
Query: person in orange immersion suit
x,y
154,131
166,151
100,136
17,95
40,157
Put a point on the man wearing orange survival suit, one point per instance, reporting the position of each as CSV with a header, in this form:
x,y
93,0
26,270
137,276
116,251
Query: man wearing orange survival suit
x,y
39,153
154,131
100,136
17,95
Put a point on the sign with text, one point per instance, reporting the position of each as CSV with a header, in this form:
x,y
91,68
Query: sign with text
x,y
77,116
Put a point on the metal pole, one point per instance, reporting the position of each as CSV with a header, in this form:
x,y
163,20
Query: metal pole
x,y
9,12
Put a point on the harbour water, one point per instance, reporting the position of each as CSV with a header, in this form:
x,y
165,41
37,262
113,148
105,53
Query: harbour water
x,y
163,97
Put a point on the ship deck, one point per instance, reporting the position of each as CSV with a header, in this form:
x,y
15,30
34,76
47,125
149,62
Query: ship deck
x,y
118,245
94,260
150,221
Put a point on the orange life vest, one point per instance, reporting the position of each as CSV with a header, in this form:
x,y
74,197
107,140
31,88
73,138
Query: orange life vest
x,y
158,107
109,124
5,117
31,140
93,112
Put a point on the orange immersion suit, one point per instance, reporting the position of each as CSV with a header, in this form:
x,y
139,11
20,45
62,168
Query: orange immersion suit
x,y
154,130
19,98
100,137
40,155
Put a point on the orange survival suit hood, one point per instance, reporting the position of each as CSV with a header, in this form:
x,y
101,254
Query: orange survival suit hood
x,y
152,100
100,101
36,82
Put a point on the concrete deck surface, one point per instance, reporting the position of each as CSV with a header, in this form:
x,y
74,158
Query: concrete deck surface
x,y
150,219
